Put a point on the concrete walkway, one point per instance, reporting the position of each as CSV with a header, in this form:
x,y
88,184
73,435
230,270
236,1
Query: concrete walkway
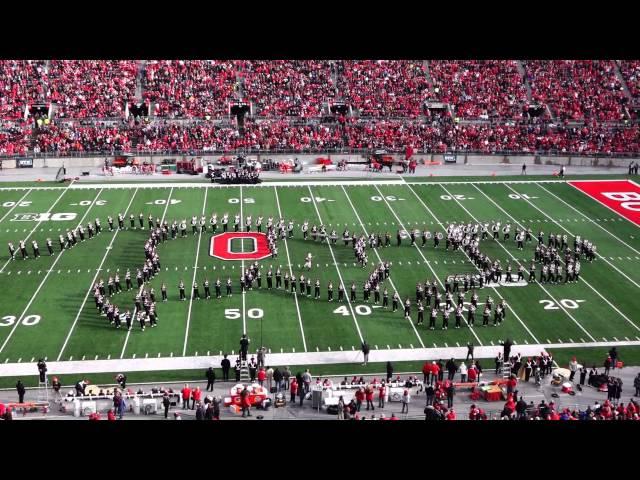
x,y
462,402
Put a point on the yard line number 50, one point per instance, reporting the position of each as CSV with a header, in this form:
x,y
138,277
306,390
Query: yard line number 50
x,y
234,313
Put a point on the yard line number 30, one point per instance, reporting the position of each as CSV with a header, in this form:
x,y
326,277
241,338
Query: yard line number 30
x,y
27,321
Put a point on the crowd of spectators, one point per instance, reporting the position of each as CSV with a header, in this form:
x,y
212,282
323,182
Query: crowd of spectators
x,y
387,98
20,86
14,139
384,88
630,70
479,88
288,87
91,88
578,89
189,88
273,135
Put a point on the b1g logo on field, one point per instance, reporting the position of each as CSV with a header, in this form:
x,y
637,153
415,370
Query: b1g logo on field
x,y
222,246
43,217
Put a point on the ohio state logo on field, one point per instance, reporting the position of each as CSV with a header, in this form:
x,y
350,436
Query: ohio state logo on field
x,y
220,246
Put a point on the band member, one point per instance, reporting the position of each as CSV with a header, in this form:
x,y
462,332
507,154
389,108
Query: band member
x,y
407,308
385,298
196,291
182,295
399,238
471,315
214,223
49,247
163,290
420,313
330,292
23,250
225,222
294,285
207,292
61,240
110,221
445,318
36,249
376,294
341,292
317,289
278,278
353,292
485,315
229,292
432,318
395,301
458,315
259,224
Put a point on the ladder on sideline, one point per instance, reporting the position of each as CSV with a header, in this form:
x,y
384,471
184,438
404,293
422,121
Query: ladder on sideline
x,y
43,390
244,372
506,369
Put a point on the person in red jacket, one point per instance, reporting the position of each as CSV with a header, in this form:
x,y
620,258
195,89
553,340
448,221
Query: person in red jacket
x,y
262,376
359,398
382,394
435,372
245,403
451,414
196,396
369,396
111,416
186,396
426,371
472,374
293,386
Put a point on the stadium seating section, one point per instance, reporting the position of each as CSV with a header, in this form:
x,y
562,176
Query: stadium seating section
x,y
586,105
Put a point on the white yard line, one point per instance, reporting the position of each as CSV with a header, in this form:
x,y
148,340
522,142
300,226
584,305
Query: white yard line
x,y
425,259
244,319
133,315
335,262
195,271
286,247
494,288
380,260
38,224
4,344
106,254
582,276
518,262
16,205
604,204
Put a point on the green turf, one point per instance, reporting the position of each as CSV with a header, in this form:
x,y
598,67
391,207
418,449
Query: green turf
x,y
278,319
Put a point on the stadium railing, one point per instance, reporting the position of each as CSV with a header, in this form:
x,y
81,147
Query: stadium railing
x,y
339,151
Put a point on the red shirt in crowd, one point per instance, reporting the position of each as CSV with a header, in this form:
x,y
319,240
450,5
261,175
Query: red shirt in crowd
x,y
186,393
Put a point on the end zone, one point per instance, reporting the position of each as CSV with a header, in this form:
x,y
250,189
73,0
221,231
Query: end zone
x,y
621,196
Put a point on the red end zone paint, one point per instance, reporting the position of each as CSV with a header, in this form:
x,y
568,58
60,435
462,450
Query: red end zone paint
x,y
623,197
220,246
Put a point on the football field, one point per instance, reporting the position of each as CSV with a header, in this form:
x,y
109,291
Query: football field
x,y
47,307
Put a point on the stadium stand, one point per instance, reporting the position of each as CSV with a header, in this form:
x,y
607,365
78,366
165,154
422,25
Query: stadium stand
x,y
578,89
485,106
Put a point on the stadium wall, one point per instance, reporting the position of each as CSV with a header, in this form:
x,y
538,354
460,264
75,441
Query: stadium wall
x,y
470,159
